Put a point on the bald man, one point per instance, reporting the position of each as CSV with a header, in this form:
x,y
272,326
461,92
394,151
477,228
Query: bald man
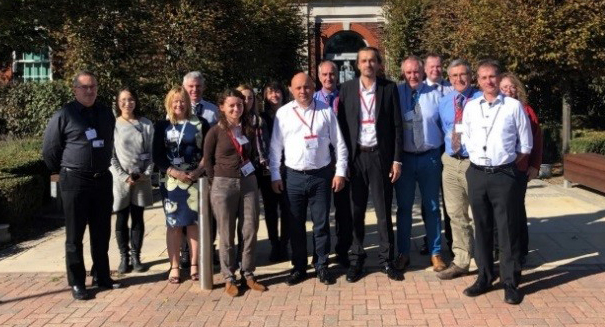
x,y
303,131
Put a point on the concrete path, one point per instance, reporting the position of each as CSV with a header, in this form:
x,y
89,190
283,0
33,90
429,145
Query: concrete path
x,y
564,283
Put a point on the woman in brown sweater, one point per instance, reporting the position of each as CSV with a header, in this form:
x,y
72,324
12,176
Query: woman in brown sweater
x,y
229,153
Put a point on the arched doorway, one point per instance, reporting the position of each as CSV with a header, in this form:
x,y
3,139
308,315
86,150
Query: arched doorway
x,y
342,49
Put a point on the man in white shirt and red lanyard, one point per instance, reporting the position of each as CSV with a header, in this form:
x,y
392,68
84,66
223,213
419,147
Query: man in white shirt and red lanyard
x,y
497,135
304,129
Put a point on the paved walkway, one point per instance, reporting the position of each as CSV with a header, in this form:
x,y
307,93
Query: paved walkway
x,y
564,284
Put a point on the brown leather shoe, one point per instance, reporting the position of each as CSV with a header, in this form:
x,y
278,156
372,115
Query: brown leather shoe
x,y
231,289
452,272
438,264
256,286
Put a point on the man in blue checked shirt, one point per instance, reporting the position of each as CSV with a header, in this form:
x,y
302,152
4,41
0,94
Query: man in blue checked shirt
x,y
455,164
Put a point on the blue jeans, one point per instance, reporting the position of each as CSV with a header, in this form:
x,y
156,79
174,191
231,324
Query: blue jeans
x,y
312,190
424,168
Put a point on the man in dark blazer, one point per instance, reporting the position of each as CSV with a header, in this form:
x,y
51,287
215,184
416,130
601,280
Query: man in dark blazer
x,y
370,121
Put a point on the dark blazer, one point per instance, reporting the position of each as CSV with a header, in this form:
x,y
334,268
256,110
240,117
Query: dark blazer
x,y
389,127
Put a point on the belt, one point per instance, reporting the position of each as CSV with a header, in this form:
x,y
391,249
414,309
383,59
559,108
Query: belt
x,y
368,148
459,157
493,169
308,171
420,153
87,173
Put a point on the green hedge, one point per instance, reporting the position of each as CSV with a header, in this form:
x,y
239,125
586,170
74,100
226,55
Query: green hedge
x,y
25,108
588,141
24,180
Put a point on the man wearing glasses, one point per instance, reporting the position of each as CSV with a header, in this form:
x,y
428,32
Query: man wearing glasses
x,y
78,144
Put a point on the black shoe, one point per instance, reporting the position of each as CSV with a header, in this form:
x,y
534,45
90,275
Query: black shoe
x,y
478,288
343,260
354,273
324,276
391,272
108,284
512,294
424,250
135,260
79,292
124,266
296,276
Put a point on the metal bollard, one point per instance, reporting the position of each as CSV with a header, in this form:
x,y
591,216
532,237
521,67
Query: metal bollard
x,y
206,251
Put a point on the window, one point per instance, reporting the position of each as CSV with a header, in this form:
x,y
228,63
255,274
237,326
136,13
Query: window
x,y
32,66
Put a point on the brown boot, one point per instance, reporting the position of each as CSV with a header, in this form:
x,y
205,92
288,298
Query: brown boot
x,y
452,272
231,288
256,286
438,264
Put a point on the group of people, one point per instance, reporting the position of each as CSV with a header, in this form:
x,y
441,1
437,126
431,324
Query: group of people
x,y
477,147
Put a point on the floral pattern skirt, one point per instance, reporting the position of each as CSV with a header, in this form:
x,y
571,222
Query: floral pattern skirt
x,y
181,202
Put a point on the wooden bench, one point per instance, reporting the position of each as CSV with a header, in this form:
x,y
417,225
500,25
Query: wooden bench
x,y
587,169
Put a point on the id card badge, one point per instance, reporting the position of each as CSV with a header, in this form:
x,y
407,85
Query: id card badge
x,y
144,156
408,115
368,127
459,128
311,142
98,143
242,140
247,168
178,160
91,134
485,161
173,135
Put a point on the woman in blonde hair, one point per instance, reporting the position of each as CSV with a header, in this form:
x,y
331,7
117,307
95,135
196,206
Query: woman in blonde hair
x,y
512,87
178,152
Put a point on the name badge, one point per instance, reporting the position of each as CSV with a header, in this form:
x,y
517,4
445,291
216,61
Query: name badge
x,y
459,128
98,143
178,160
408,115
484,161
144,156
311,142
91,133
242,140
173,135
368,128
247,168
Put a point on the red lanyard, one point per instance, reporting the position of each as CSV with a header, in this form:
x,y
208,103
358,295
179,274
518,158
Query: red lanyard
x,y
238,147
367,108
303,120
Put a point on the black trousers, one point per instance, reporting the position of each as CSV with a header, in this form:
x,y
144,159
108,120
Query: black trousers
x,y
136,231
343,220
279,237
86,200
494,200
523,230
310,190
367,174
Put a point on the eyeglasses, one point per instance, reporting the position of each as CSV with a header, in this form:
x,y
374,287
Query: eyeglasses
x,y
87,87
127,101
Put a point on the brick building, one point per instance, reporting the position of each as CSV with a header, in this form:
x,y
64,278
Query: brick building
x,y
337,29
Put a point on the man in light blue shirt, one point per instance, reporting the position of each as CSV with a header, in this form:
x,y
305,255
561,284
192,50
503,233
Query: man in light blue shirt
x,y
434,78
195,84
422,138
455,164
328,93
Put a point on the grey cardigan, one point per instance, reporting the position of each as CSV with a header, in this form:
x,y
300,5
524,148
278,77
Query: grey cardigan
x,y
132,154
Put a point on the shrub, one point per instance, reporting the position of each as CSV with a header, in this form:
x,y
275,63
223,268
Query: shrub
x,y
588,142
24,180
25,108
551,143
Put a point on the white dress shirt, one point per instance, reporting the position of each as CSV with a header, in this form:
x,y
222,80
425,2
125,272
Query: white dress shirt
x,y
497,132
297,140
367,115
